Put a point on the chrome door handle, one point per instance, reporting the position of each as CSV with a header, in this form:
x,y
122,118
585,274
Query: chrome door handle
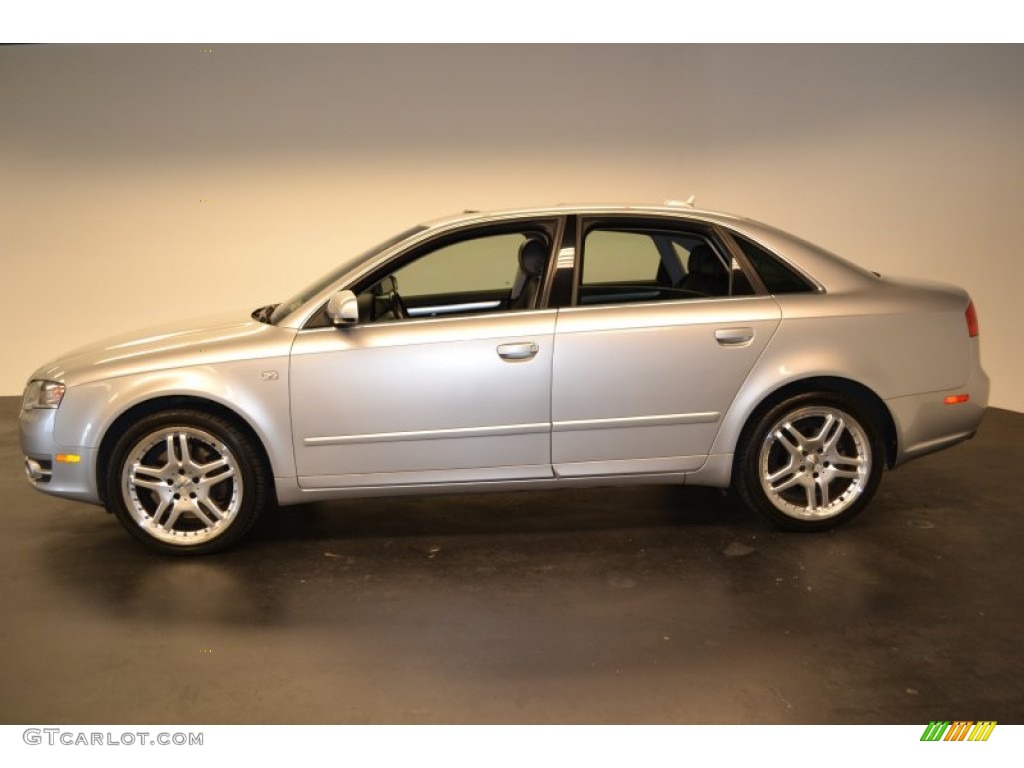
x,y
734,337
522,350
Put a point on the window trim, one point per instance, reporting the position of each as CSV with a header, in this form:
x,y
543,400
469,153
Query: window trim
x,y
559,291
733,247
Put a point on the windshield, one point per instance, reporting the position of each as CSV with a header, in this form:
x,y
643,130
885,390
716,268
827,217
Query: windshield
x,y
287,307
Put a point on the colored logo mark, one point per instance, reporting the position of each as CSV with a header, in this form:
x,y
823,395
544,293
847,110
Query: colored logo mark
x,y
958,730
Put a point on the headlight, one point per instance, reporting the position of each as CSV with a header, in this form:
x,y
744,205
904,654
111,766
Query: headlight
x,y
42,394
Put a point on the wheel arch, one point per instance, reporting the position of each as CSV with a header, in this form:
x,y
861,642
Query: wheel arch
x,y
167,402
830,384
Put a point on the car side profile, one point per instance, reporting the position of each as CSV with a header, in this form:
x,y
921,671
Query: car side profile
x,y
536,348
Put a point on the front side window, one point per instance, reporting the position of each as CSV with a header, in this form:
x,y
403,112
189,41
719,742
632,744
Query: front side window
x,y
483,264
493,272
636,265
285,308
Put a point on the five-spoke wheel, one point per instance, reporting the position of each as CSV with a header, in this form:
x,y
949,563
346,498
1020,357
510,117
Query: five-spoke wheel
x,y
811,462
186,480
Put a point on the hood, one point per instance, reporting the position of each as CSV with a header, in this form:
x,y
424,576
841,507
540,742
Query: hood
x,y
218,338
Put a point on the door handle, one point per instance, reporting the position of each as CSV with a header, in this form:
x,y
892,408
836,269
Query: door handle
x,y
734,337
523,350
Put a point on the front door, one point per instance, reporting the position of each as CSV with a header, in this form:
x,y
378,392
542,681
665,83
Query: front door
x,y
446,378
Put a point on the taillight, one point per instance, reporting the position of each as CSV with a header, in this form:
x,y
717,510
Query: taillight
x,y
972,320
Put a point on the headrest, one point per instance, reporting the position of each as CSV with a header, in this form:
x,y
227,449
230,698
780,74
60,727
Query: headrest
x,y
386,286
533,257
703,261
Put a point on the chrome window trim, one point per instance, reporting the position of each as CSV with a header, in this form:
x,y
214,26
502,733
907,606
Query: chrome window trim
x,y
427,320
452,309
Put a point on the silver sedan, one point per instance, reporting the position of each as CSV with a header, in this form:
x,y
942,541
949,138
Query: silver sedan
x,y
540,348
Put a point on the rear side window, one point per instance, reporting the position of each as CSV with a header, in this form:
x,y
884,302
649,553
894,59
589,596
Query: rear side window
x,y
624,265
777,276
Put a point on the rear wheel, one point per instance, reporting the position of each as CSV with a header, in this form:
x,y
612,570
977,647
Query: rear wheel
x,y
186,482
812,462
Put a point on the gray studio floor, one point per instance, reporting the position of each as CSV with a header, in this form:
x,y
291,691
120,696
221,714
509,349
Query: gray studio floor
x,y
654,605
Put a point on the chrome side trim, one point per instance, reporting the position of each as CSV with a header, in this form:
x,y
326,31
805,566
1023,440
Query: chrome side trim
x,y
626,467
290,492
442,478
444,309
429,434
669,420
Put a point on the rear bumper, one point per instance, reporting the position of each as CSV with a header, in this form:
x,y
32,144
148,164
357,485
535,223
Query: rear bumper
x,y
925,423
75,480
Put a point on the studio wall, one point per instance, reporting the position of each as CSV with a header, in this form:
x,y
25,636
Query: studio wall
x,y
143,183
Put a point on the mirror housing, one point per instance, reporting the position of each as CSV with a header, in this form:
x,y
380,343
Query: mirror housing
x,y
343,308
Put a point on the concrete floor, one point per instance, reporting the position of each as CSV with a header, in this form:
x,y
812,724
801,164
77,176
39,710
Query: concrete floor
x,y
656,605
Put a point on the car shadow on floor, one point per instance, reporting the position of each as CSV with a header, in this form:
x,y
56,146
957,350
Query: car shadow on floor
x,y
522,513
366,543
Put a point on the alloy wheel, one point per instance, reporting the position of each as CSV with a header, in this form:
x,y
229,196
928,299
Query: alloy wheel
x,y
182,485
815,462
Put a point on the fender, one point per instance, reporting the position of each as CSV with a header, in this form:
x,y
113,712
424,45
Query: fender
x,y
248,388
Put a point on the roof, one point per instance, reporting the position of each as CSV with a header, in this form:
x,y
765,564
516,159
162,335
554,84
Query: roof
x,y
668,208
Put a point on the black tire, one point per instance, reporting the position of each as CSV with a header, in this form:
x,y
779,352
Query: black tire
x,y
186,482
787,471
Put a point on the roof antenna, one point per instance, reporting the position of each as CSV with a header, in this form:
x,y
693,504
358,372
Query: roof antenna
x,y
687,203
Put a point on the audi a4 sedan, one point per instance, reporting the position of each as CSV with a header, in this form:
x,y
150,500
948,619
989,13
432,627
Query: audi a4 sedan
x,y
527,349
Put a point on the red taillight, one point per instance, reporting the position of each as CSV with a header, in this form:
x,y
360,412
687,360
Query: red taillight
x,y
972,320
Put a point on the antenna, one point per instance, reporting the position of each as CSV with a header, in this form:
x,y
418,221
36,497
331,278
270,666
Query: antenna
x,y
687,203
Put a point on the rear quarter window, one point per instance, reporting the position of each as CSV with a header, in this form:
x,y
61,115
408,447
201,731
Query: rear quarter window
x,y
777,276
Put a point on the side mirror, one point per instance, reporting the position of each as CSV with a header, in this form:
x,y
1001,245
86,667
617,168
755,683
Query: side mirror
x,y
343,309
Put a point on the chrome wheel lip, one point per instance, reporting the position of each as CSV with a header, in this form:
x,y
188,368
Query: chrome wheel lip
x,y
815,461
182,486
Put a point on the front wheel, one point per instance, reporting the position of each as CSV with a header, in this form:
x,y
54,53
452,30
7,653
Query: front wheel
x,y
812,462
186,482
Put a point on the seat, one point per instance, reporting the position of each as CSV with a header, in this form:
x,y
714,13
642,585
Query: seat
x,y
706,274
533,257
386,303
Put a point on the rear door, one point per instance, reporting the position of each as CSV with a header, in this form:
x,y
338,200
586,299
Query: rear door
x,y
663,328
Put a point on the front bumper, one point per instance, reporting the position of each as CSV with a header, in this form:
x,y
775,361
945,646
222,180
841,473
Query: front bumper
x,y
68,480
